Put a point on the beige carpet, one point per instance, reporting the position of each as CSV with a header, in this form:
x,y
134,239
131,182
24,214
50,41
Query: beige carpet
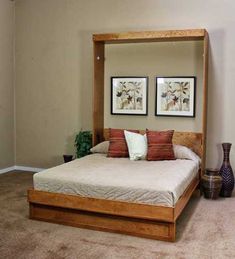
x,y
205,230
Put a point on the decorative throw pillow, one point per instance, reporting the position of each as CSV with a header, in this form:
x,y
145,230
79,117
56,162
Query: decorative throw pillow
x,y
102,148
160,145
117,143
137,145
182,152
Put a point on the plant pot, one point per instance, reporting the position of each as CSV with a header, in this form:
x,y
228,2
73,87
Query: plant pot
x,y
67,158
211,183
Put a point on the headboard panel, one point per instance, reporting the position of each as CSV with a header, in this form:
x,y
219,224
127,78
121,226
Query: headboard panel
x,y
192,140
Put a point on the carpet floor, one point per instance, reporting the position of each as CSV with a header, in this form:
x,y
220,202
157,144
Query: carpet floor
x,y
206,229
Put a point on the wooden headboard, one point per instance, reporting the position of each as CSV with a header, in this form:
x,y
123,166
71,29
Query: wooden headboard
x,y
192,140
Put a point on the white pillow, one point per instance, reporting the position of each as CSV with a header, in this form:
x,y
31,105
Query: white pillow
x,y
182,152
137,145
101,148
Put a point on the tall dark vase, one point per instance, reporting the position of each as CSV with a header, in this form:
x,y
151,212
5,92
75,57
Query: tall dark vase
x,y
226,172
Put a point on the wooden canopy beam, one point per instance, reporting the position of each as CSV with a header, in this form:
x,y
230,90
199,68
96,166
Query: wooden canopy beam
x,y
151,36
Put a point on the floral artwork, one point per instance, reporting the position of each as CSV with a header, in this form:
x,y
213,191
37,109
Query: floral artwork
x,y
175,96
129,95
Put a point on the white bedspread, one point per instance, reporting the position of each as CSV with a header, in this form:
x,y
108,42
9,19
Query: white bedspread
x,y
150,182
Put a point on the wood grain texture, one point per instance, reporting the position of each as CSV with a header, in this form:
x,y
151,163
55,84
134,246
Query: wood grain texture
x,y
192,140
157,222
137,227
150,36
119,208
180,205
205,93
98,92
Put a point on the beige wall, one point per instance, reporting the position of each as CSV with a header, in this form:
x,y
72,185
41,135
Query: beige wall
x,y
154,59
54,66
6,84
48,82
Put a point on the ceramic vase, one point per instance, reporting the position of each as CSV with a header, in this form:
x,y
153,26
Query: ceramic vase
x,y
226,173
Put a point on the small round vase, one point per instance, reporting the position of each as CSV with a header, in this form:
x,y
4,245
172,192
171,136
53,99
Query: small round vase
x,y
226,173
211,183
67,158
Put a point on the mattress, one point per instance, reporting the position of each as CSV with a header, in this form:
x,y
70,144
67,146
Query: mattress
x,y
97,176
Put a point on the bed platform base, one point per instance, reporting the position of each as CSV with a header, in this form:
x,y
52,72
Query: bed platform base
x,y
97,221
149,221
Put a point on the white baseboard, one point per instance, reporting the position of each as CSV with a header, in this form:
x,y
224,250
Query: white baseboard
x,y
8,169
21,168
28,169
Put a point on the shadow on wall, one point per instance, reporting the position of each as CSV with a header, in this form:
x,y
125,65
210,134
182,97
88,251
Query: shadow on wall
x,y
86,77
69,146
216,98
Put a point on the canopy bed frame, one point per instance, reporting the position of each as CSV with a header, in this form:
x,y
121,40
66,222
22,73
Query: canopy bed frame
x,y
151,221
101,40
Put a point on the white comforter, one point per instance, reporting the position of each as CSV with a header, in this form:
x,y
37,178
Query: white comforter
x,y
150,182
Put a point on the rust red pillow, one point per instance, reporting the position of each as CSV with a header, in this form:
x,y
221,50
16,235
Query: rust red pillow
x,y
117,143
160,145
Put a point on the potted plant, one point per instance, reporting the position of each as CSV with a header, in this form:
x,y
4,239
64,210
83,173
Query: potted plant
x,y
83,143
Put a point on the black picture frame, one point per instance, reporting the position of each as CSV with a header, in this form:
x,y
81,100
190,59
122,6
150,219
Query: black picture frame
x,y
129,95
175,96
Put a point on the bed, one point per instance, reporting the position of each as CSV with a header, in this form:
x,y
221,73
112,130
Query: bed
x,y
110,200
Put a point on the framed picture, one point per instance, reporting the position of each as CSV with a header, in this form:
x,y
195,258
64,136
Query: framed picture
x,y
129,95
175,96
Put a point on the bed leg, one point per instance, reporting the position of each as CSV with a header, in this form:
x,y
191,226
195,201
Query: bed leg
x,y
172,232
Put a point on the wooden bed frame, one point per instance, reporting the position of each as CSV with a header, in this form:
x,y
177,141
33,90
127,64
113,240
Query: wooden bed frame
x,y
150,221
156,222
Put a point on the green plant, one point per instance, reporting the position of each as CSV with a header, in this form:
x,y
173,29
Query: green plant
x,y
83,143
